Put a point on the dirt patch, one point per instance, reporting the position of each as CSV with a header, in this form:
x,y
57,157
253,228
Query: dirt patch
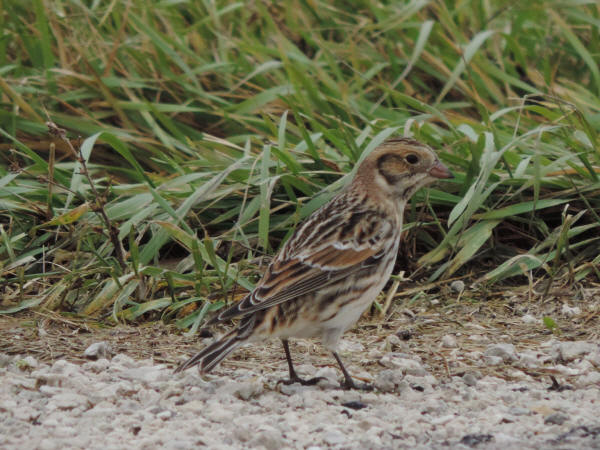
x,y
474,319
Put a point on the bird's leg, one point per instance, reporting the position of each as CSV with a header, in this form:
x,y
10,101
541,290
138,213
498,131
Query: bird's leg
x,y
348,381
294,378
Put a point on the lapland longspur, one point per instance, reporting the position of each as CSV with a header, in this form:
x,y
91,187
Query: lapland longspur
x,y
335,264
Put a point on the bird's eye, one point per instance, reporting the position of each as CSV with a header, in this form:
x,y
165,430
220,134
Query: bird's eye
x,y
411,158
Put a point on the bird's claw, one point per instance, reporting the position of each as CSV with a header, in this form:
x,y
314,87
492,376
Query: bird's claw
x,y
303,382
351,385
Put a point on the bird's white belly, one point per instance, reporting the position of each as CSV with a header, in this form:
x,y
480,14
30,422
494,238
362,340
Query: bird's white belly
x,y
335,320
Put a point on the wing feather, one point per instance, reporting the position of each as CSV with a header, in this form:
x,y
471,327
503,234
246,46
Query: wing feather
x,y
307,263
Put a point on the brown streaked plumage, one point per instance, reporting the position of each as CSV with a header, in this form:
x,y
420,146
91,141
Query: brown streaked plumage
x,y
336,262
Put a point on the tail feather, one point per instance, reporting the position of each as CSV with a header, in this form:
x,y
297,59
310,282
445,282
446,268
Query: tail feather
x,y
212,355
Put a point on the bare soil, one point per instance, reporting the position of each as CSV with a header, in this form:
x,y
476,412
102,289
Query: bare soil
x,y
474,318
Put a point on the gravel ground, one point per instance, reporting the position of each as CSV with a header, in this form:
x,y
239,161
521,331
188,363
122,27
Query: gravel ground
x,y
451,369
122,402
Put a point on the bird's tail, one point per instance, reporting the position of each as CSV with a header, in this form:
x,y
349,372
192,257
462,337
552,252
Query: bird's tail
x,y
212,355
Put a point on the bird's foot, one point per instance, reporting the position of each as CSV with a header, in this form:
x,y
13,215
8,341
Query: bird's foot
x,y
349,384
303,382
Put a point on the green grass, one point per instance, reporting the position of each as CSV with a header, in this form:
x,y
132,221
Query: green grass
x,y
210,129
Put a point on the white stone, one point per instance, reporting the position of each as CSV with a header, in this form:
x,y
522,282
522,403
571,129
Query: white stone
x,y
518,411
165,415
576,349
327,372
25,413
449,341
457,286
64,367
589,379
594,358
122,360
49,379
64,432
7,404
67,400
584,366
147,375
569,312
528,360
148,396
346,346
504,351
49,444
391,343
388,380
98,350
100,365
268,437
249,389
492,360
425,383
28,362
528,318
50,390
334,437
408,366
441,420
564,370
22,381
5,360
469,379
243,433
292,389
194,406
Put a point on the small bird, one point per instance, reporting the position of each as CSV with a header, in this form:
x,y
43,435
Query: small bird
x,y
335,264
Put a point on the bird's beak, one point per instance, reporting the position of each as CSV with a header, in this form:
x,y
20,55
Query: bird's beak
x,y
440,171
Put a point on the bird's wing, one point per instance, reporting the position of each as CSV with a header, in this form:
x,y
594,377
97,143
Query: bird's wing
x,y
325,249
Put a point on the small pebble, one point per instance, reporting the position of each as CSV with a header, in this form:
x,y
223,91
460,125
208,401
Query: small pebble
x,y
391,343
268,437
469,379
518,411
165,415
492,360
388,380
334,438
98,350
457,286
506,352
528,318
29,362
571,350
449,341
556,419
5,360
408,366
250,389
570,311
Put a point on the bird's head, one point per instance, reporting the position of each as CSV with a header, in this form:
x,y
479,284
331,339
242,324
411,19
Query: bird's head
x,y
399,167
